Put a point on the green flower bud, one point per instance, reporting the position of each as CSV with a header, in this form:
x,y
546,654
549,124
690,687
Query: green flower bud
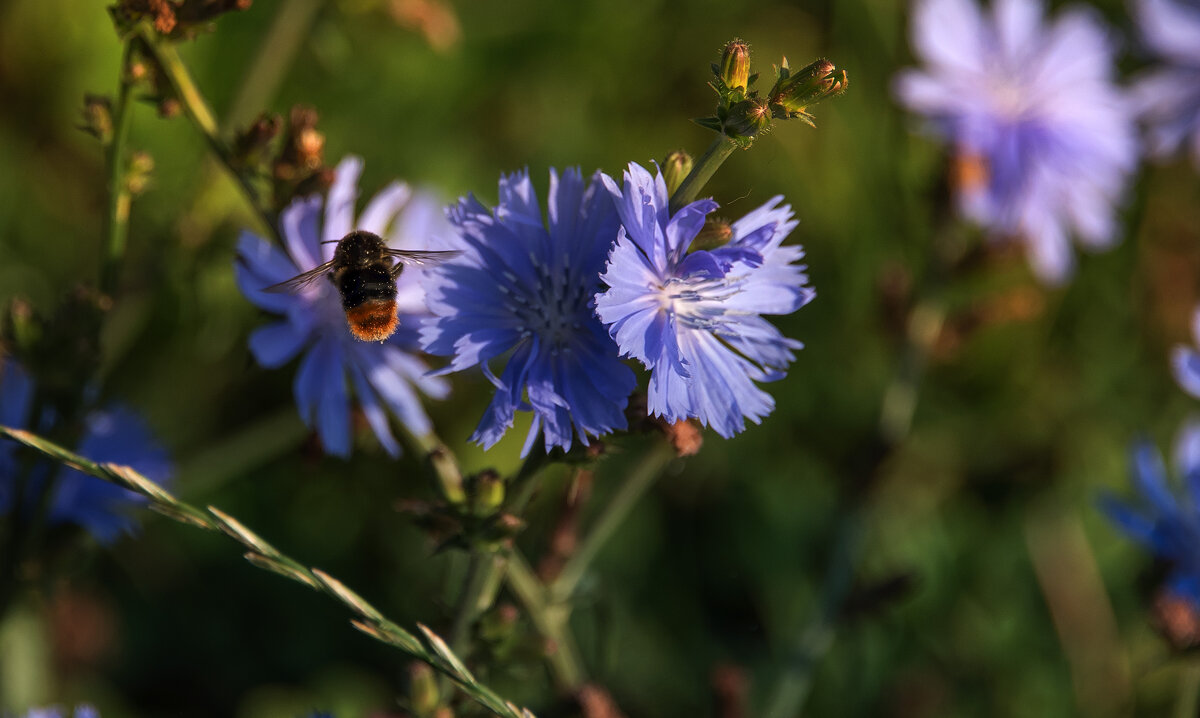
x,y
676,166
735,65
746,119
793,92
715,233
487,493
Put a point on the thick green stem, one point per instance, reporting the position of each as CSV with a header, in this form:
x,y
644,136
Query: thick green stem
x,y
702,172
551,620
202,117
119,196
636,484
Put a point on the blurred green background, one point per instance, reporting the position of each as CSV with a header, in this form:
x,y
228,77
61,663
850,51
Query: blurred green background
x,y
1020,600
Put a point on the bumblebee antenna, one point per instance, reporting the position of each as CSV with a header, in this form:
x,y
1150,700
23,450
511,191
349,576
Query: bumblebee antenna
x,y
331,241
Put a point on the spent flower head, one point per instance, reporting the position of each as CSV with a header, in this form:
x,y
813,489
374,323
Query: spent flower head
x,y
116,435
1168,97
1031,106
695,318
523,290
384,376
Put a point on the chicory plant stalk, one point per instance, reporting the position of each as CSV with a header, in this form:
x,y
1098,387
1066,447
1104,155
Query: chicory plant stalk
x,y
120,198
428,647
202,117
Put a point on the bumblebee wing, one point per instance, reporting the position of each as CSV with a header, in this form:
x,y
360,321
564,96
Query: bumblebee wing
x,y
420,257
300,281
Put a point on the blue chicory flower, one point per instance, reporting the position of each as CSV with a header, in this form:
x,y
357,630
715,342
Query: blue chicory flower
x,y
1048,140
384,375
523,290
1185,361
1168,98
116,435
1167,521
694,318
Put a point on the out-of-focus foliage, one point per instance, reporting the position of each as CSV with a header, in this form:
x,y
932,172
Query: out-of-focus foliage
x,y
1020,601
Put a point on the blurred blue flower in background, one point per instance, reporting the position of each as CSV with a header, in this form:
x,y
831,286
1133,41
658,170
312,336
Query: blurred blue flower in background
x,y
115,435
694,318
384,375
1185,361
1168,98
1044,142
81,711
1166,521
526,291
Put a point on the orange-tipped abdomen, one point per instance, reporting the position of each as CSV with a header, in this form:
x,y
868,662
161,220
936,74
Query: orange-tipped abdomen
x,y
374,320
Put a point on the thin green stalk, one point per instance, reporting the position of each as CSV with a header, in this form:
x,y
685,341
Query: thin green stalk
x,y
202,117
291,26
120,199
1187,700
702,172
428,647
635,485
551,620
792,689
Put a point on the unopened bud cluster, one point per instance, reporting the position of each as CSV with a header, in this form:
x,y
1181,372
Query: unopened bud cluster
x,y
177,19
742,115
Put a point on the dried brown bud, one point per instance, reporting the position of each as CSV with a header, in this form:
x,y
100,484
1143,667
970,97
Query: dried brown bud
x,y
1177,619
169,107
596,702
97,117
685,435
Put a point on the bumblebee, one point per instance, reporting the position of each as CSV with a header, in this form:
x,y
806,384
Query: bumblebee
x,y
364,270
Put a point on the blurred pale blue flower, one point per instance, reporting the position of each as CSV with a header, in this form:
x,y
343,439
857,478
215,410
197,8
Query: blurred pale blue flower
x,y
1167,521
1044,140
694,318
81,711
525,291
1185,361
383,375
1168,98
115,435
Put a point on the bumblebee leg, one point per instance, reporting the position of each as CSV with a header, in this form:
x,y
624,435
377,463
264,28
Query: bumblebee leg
x,y
395,270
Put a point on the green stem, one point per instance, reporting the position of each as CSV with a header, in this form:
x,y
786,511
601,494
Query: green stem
x,y
635,485
292,23
441,460
702,172
791,691
486,566
1187,700
202,117
551,620
119,197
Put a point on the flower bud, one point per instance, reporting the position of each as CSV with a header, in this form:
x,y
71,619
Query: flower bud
x,y
487,493
137,177
795,91
716,232
676,166
747,119
97,117
735,65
